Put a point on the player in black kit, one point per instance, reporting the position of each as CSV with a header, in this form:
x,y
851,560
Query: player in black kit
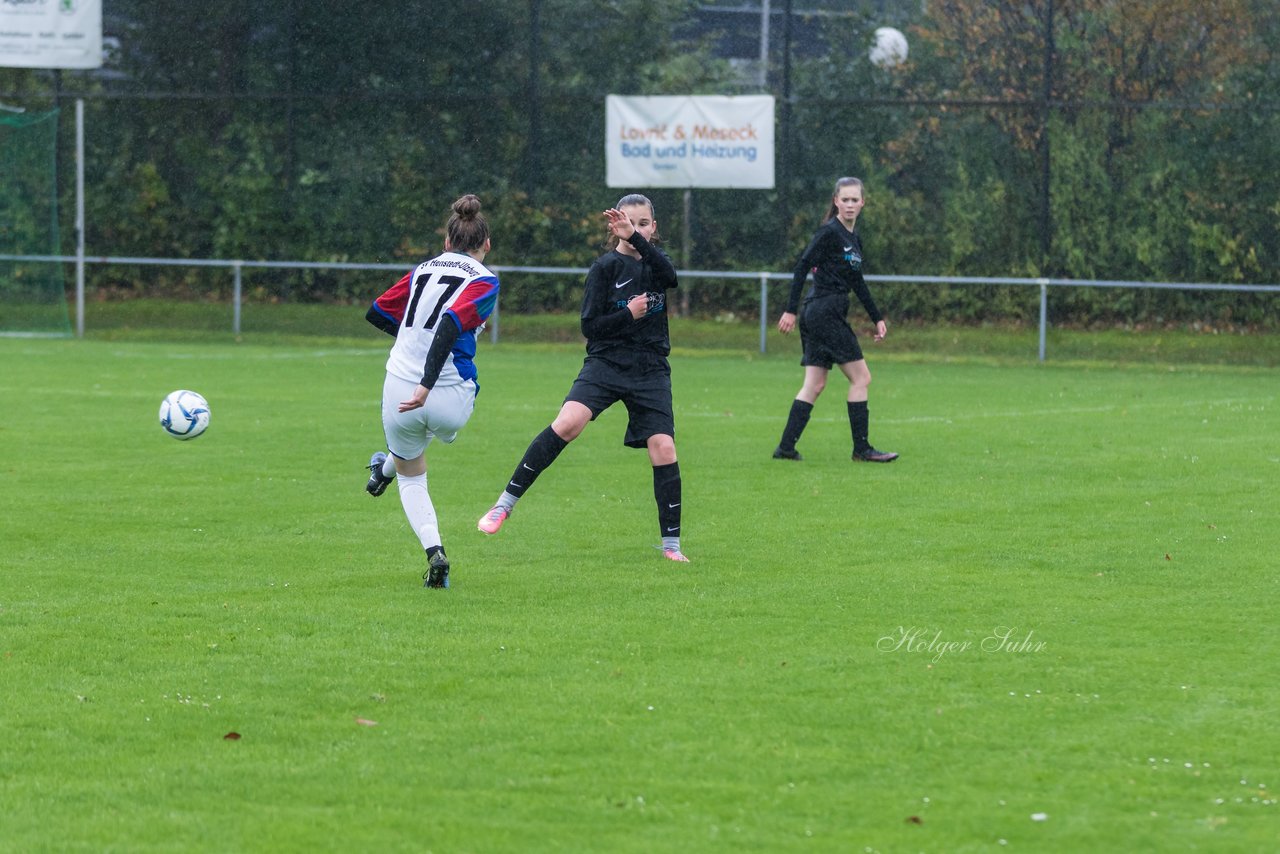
x,y
835,258
624,319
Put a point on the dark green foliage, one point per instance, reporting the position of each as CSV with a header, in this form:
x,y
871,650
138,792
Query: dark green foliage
x,y
341,132
30,291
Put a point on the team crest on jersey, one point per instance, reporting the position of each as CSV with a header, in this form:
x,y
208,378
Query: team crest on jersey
x,y
655,301
854,259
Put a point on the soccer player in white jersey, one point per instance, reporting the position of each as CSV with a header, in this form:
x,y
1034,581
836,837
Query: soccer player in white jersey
x,y
434,312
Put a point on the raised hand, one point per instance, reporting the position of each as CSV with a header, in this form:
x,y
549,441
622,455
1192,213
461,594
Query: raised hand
x,y
619,223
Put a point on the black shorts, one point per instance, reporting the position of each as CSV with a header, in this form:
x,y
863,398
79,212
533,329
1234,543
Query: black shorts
x,y
826,335
645,388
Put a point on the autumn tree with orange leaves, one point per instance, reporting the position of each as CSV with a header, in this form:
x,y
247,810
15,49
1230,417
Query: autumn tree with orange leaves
x,y
1089,94
1088,54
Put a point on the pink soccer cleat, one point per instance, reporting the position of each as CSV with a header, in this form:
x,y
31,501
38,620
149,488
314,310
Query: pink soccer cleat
x,y
674,554
491,522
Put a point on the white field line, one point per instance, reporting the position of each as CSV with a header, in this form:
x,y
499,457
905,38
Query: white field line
x,y
781,415
197,355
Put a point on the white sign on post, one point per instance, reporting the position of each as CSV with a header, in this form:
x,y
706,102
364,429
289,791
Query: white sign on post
x,y
689,141
50,33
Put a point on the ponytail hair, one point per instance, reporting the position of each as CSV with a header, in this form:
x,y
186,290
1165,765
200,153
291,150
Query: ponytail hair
x,y
840,184
467,230
632,199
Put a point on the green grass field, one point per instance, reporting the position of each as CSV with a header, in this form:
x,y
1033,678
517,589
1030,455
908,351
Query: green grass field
x,y
1048,627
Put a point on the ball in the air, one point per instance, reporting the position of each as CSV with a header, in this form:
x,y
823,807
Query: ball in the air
x,y
890,48
184,414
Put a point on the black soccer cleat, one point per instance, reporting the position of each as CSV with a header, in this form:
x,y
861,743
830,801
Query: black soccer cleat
x,y
378,481
437,574
871,455
780,454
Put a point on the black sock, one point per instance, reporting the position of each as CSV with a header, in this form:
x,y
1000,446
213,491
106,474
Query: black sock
x,y
858,423
666,491
797,420
542,452
431,552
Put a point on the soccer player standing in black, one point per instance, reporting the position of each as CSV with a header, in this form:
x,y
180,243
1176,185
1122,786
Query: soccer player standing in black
x,y
835,258
624,319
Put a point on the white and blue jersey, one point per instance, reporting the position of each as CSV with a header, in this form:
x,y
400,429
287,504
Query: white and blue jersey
x,y
450,288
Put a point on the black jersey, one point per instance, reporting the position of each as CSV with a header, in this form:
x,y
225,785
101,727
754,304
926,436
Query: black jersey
x,y
614,278
835,257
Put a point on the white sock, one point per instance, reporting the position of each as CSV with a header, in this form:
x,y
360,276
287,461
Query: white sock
x,y
419,509
389,466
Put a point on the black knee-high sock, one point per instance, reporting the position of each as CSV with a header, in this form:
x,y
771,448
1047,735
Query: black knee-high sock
x,y
859,421
542,452
797,420
666,491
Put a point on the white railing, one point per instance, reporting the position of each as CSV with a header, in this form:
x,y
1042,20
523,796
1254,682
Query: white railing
x,y
238,266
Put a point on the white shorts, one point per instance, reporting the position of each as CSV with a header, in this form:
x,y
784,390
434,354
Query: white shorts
x,y
447,411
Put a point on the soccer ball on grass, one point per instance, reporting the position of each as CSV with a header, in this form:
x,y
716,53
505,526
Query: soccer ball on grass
x,y
184,414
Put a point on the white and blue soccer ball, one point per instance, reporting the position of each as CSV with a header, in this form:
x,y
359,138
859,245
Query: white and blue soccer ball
x,y
184,414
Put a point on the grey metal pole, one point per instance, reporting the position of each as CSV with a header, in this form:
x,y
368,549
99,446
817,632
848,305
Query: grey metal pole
x,y
764,45
764,309
235,312
685,232
79,217
1044,313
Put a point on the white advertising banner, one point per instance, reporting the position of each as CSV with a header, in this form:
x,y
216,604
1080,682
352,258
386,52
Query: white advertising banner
x,y
50,33
689,141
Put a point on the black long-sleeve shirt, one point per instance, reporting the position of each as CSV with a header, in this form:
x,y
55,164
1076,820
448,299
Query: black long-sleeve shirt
x,y
835,257
613,279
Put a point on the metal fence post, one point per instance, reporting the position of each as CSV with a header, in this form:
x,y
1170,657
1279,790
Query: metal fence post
x,y
764,309
79,217
1044,312
235,311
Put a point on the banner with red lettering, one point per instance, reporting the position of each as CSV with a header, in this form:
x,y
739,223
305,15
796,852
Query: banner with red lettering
x,y
689,141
